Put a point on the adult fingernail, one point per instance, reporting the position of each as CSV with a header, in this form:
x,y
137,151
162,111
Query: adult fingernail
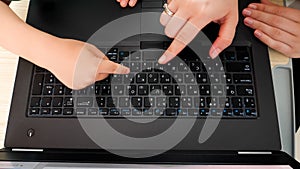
x,y
252,6
247,12
162,59
249,21
215,53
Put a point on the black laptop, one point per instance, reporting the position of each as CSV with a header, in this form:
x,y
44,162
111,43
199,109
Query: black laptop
x,y
193,110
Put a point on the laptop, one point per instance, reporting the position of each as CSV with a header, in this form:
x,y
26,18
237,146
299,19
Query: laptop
x,y
193,110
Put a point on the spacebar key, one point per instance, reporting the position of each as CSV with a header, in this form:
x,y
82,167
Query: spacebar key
x,y
238,67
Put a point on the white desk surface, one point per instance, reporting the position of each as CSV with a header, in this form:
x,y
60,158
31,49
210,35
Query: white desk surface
x,y
8,66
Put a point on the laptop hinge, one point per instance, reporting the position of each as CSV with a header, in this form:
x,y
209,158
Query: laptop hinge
x,y
253,152
26,150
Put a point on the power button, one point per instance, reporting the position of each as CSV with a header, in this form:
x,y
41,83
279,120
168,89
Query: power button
x,y
30,132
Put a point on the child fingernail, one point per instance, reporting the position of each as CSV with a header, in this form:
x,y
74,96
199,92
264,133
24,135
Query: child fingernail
x,y
162,59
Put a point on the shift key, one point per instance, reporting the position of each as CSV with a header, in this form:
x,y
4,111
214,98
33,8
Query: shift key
x,y
238,67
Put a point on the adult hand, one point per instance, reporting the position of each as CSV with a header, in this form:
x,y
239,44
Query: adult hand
x,y
276,26
124,3
190,16
80,64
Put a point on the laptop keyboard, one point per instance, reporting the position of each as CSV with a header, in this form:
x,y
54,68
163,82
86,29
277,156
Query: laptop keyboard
x,y
192,89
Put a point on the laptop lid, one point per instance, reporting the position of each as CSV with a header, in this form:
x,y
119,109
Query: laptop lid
x,y
79,20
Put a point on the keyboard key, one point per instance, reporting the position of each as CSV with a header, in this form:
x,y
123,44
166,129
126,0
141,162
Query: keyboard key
x,y
225,102
48,90
49,78
249,102
118,90
193,112
68,111
124,102
165,78
230,55
237,102
68,102
37,84
123,55
141,78
174,102
45,111
35,102
155,90
100,102
243,56
161,102
245,90
59,90
200,102
212,102
147,66
178,78
34,111
180,90
132,90
80,111
136,56
186,102
158,112
217,90
84,102
112,102
143,90
201,78
193,90
238,112
227,112
103,111
125,112
149,101
147,112
168,90
114,112
171,112
57,102
137,112
238,67
195,66
242,78
105,90
153,78
250,112
56,111
46,102
230,90
93,111
135,67
137,101
204,112
189,78
204,90
152,55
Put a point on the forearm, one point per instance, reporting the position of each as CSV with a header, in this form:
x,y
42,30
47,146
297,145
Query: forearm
x,y
24,40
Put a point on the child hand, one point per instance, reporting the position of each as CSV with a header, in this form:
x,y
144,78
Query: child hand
x,y
190,16
276,26
124,3
79,64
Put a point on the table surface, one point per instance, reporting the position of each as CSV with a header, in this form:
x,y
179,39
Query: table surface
x,y
8,66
